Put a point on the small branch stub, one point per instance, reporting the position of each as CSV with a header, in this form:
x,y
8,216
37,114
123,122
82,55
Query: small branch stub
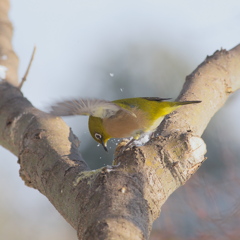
x,y
28,68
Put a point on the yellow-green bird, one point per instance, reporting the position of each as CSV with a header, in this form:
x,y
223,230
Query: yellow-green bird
x,y
123,118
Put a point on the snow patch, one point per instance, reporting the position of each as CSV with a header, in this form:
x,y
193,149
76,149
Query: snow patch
x,y
199,148
142,140
3,71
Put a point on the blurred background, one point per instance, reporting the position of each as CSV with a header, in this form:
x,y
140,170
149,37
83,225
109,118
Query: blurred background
x,y
118,49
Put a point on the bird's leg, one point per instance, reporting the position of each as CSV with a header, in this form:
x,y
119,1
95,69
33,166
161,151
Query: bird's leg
x,y
125,147
140,141
152,135
128,144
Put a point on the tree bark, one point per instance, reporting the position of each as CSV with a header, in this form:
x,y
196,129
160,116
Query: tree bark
x,y
122,201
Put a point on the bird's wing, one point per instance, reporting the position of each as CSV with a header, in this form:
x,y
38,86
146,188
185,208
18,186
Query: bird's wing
x,y
89,106
157,99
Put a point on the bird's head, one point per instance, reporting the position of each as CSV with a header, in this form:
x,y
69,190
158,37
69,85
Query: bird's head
x,y
97,131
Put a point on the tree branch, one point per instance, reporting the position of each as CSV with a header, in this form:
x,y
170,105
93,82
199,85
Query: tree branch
x,y
28,68
119,202
8,58
212,82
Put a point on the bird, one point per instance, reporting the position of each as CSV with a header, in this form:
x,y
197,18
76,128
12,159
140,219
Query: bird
x,y
123,118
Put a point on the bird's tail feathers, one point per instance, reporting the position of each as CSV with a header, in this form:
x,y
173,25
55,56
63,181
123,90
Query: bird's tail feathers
x,y
187,102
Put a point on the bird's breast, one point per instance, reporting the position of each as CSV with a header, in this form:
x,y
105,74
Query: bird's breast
x,y
124,125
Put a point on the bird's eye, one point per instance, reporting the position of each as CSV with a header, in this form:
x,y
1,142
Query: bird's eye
x,y
98,136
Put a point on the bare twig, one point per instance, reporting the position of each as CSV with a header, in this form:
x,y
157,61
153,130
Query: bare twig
x,y
28,68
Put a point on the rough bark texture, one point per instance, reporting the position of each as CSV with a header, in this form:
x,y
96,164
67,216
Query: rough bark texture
x,y
119,202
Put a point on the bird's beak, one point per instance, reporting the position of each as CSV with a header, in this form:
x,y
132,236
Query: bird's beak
x,y
104,144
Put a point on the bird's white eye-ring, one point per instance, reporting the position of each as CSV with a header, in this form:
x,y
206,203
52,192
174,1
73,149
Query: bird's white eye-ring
x,y
98,136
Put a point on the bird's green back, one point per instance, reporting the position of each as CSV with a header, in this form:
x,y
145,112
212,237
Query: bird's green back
x,y
154,107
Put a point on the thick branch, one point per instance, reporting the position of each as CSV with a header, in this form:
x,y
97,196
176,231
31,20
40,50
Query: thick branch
x,y
124,200
120,202
212,82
